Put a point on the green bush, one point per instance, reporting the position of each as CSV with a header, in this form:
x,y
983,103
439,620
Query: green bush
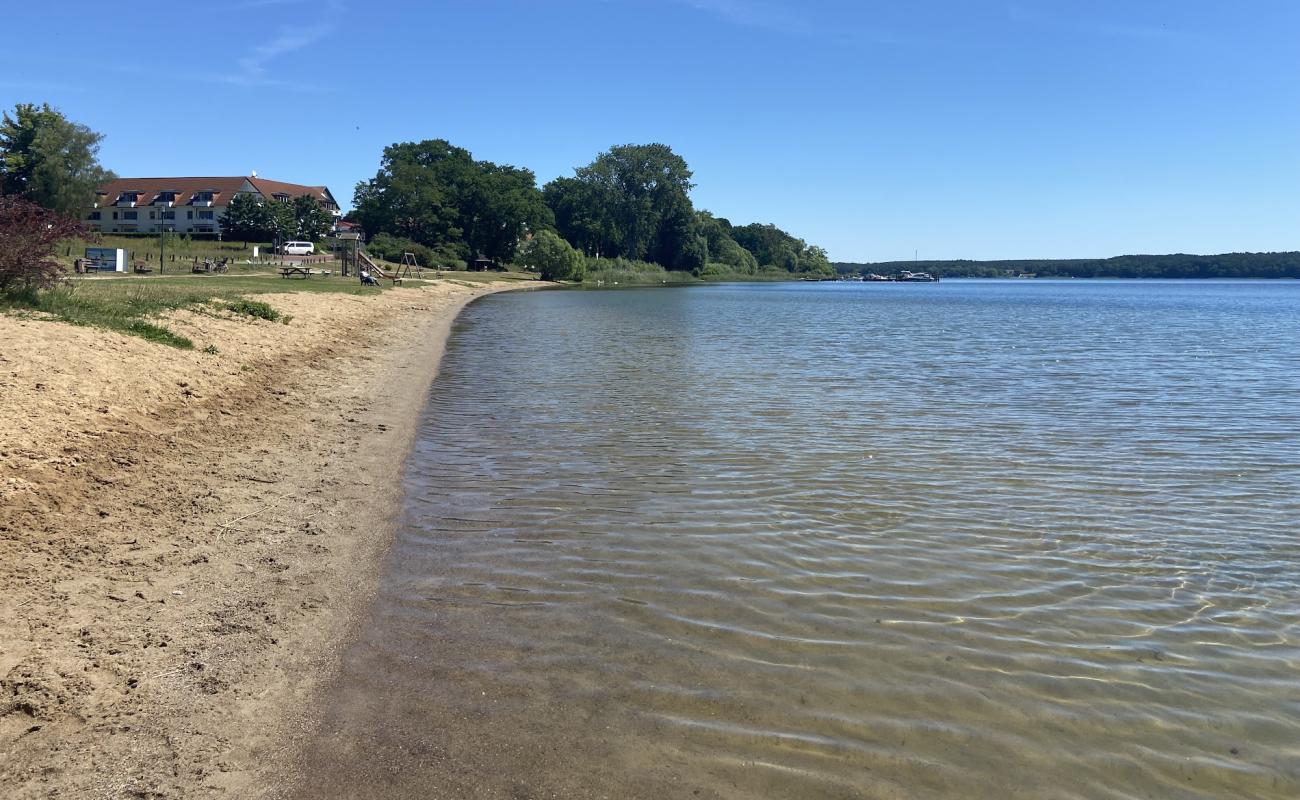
x,y
553,258
253,308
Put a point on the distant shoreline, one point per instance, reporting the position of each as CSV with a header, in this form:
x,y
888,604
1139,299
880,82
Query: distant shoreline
x,y
1248,266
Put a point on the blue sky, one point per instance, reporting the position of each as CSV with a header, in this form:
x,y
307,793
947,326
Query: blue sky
x,y
957,128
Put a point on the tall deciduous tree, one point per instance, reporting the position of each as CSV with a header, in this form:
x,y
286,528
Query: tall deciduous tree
x,y
49,159
310,219
632,201
774,247
248,217
436,194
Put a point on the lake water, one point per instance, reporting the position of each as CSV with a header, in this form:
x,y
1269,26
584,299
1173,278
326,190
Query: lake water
x,y
972,539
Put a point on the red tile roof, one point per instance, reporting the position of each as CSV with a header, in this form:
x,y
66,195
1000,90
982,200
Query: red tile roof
x,y
223,189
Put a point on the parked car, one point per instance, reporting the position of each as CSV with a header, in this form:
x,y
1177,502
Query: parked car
x,y
297,248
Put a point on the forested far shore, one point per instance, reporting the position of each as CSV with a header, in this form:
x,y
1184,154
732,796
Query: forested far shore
x,y
1179,265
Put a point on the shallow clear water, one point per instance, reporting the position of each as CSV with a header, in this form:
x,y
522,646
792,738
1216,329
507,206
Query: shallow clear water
x,y
1038,539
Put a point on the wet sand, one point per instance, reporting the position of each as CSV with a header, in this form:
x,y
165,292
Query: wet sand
x,y
186,537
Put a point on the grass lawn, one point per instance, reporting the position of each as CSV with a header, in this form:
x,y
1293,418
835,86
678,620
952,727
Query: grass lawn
x,y
180,250
131,304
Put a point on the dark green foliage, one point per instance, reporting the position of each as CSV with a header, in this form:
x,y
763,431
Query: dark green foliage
x,y
49,159
553,258
248,217
391,248
437,195
310,220
252,218
722,246
1227,265
581,217
631,202
774,247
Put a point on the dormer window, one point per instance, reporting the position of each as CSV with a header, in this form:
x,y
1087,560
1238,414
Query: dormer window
x,y
203,197
165,198
128,199
281,196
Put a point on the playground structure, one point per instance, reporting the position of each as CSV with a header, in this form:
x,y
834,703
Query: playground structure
x,y
352,259
409,265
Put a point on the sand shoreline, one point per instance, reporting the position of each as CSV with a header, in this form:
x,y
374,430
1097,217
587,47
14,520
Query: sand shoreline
x,y
186,539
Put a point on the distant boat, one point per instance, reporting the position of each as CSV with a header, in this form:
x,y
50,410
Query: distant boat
x,y
906,276
915,277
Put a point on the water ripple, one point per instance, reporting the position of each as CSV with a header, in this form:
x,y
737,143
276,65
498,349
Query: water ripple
x,y
973,539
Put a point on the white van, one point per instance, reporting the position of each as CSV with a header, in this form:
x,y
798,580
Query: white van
x,y
297,248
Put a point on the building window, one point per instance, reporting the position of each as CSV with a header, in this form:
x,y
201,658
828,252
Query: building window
x,y
205,214
151,215
169,215
203,197
93,215
115,217
189,215
130,215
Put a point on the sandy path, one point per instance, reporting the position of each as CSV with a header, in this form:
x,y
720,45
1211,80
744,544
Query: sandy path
x,y
184,537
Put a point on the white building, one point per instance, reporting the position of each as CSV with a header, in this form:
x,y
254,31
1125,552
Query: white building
x,y
185,205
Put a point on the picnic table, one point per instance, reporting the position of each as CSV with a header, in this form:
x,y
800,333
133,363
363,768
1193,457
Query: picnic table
x,y
288,272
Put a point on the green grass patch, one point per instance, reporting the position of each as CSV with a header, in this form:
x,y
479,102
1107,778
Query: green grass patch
x,y
157,333
131,305
254,308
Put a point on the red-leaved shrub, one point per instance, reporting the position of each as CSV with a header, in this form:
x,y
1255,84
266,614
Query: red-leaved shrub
x,y
29,234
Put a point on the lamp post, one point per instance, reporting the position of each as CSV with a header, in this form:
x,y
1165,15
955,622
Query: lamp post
x,y
162,240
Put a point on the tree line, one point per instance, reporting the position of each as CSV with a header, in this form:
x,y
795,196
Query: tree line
x,y
632,202
1176,266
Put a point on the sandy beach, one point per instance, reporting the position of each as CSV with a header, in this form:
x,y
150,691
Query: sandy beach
x,y
186,536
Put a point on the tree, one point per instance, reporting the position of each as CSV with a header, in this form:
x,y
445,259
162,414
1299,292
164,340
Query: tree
x,y
582,217
632,201
29,234
49,159
436,194
310,219
814,261
723,248
554,258
249,218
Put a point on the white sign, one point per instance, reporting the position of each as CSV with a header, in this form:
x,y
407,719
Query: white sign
x,y
107,259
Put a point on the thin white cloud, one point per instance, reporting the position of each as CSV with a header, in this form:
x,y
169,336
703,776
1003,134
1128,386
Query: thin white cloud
x,y
247,4
254,69
42,86
753,13
789,18
1095,27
